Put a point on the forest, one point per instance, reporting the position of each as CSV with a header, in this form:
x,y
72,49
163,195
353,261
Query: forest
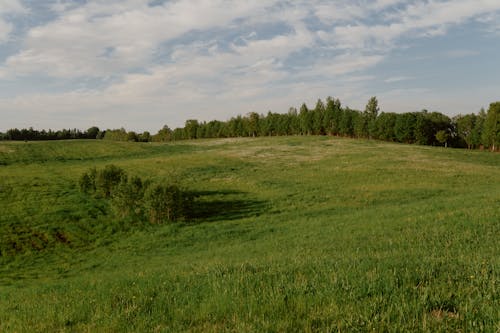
x,y
329,117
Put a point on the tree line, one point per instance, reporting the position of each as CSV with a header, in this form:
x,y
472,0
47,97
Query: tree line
x,y
329,117
30,134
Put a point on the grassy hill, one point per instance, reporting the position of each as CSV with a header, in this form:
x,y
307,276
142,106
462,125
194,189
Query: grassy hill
x,y
290,234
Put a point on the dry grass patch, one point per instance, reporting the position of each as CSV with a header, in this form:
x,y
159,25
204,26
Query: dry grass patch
x,y
282,153
219,142
5,149
440,314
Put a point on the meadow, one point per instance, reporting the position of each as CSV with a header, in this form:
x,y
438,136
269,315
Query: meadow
x,y
288,234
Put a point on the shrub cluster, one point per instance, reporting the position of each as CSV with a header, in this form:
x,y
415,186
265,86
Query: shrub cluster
x,y
132,197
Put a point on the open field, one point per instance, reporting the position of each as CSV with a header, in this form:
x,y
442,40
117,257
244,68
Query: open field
x,y
290,234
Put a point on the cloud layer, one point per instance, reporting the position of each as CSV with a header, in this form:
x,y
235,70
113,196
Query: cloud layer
x,y
134,63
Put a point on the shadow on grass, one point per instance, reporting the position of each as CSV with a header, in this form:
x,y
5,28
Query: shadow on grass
x,y
212,206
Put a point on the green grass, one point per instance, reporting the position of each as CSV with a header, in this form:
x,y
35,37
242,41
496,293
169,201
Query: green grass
x,y
289,234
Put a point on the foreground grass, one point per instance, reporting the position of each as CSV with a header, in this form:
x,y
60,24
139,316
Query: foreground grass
x,y
290,234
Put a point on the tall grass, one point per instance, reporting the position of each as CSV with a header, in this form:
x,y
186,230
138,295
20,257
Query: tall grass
x,y
288,234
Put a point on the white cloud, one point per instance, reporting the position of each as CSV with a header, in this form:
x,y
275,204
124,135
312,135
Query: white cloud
x,y
347,11
11,6
491,22
5,29
426,19
183,55
348,63
75,44
398,79
8,7
115,37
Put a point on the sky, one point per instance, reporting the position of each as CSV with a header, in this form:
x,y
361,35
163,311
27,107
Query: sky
x,y
143,64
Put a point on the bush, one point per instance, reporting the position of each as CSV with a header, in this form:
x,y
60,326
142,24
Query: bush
x,y
108,179
135,198
87,181
102,182
128,199
166,203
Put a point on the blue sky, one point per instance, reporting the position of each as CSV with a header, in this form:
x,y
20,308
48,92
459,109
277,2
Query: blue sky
x,y
142,64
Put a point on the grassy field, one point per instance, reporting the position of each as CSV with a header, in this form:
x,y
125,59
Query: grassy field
x,y
305,234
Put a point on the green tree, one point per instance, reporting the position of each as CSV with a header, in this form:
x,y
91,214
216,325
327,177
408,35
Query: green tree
x,y
272,124
215,129
346,126
439,122
92,132
491,132
372,108
115,135
370,116
328,122
235,127
253,123
318,115
442,136
179,134
465,128
284,124
132,136
191,128
404,127
477,132
294,122
424,131
101,135
360,121
165,134
385,124
332,117
145,136
201,130
306,120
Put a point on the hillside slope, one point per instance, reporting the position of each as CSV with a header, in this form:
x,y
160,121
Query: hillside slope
x,y
289,234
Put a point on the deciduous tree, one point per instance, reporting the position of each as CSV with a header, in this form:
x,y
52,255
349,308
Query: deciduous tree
x,y
491,133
